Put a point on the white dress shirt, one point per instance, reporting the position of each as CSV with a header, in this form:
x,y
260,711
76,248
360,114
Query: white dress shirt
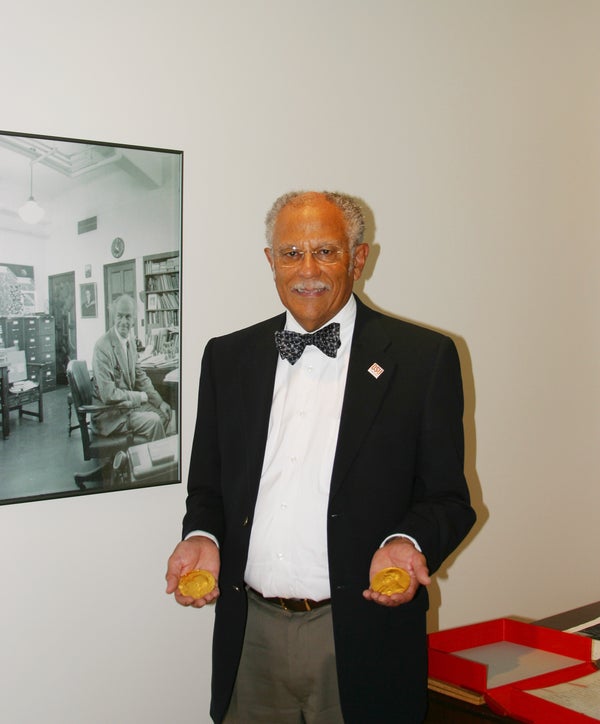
x,y
288,543
129,343
287,555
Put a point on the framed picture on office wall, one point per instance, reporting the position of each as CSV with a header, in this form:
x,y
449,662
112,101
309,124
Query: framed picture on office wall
x,y
87,299
90,316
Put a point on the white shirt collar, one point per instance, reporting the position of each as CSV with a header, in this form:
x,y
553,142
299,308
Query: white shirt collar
x,y
122,341
345,317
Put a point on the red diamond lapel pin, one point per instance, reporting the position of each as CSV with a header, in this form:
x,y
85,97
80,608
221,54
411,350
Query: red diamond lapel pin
x,y
375,370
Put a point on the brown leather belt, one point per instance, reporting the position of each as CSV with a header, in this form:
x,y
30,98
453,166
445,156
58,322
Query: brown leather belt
x,y
296,605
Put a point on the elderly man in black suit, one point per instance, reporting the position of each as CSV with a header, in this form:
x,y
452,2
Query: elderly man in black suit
x,y
328,446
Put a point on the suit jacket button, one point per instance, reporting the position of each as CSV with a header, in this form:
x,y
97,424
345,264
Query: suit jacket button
x,y
236,589
245,521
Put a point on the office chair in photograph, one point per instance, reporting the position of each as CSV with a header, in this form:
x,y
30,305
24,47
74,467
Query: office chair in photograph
x,y
96,447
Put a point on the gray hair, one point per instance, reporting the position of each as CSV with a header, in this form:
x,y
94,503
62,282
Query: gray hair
x,y
348,205
123,298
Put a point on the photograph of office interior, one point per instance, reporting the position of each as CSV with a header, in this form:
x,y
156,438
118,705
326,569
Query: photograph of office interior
x,y
82,225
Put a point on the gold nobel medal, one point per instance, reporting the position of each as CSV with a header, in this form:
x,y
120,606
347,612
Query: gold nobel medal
x,y
196,583
391,580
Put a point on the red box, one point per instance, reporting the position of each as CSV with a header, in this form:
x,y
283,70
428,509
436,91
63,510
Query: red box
x,y
447,664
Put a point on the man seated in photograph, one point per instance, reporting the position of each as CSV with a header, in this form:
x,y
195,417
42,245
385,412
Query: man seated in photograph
x,y
118,378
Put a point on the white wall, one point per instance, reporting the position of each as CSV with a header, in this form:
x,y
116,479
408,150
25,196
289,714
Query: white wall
x,y
471,130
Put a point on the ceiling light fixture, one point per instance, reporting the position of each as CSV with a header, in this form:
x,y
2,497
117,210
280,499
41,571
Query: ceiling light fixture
x,y
31,212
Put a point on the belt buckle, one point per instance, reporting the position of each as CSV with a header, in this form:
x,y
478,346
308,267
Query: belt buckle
x,y
282,603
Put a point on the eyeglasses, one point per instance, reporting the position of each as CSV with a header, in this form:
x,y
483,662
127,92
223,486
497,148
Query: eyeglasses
x,y
292,256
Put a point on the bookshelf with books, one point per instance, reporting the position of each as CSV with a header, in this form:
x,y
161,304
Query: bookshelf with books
x,y
161,287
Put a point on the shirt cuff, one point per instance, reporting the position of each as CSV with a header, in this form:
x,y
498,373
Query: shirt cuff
x,y
206,535
402,535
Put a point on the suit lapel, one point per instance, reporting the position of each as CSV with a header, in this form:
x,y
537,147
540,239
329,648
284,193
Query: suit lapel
x,y
256,378
364,392
121,358
362,398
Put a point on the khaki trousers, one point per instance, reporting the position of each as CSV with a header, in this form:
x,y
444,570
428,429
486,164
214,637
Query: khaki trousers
x,y
287,673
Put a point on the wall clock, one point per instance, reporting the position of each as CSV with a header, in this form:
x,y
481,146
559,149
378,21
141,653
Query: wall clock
x,y
117,247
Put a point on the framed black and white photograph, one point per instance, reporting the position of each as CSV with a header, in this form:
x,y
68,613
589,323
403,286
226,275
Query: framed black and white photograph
x,y
90,299
87,294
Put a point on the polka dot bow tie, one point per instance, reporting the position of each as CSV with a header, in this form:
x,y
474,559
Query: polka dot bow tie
x,y
292,344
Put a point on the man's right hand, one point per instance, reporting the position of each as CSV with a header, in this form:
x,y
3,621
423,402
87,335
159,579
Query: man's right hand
x,y
191,554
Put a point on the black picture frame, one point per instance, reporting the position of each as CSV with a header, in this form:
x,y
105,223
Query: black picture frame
x,y
106,221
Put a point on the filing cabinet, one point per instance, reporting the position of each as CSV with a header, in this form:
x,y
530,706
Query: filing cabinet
x,y
35,335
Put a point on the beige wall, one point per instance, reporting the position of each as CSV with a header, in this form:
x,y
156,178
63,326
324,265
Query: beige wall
x,y
472,130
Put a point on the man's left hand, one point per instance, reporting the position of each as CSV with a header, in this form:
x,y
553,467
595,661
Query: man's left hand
x,y
399,553
165,411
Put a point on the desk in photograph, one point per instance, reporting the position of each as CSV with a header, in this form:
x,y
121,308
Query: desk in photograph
x,y
167,389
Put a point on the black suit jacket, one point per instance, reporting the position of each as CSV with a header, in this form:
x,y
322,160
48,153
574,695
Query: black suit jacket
x,y
398,468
